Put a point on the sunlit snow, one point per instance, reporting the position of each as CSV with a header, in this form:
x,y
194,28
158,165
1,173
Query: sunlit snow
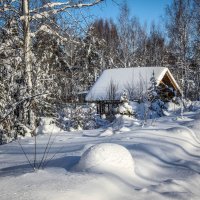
x,y
159,160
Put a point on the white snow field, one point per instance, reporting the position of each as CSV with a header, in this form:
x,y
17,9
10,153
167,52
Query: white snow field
x,y
128,161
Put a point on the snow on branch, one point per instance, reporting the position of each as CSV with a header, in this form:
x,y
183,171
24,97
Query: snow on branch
x,y
8,7
48,30
60,7
19,102
51,5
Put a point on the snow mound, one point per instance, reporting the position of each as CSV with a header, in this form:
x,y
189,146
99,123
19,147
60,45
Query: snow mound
x,y
107,158
124,129
182,119
47,126
107,132
172,107
124,123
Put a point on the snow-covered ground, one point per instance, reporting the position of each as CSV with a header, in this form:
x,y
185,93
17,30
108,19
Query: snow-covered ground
x,y
161,160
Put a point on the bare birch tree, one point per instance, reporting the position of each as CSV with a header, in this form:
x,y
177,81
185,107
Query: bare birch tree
x,y
32,17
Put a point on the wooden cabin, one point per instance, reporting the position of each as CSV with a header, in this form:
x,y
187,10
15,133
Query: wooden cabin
x,y
109,87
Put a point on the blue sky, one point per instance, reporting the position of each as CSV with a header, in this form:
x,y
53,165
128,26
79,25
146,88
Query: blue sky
x,y
146,10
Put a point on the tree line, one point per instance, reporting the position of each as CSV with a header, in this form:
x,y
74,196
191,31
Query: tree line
x,y
50,53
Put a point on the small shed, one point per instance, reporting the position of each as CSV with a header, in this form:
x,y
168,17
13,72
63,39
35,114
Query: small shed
x,y
111,84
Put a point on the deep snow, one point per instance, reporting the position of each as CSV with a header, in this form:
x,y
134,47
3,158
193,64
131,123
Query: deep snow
x,y
107,158
166,154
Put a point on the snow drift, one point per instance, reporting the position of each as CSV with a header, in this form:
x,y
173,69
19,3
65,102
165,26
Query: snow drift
x,y
107,158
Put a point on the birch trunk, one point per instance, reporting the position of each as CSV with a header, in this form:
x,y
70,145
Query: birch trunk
x,y
27,57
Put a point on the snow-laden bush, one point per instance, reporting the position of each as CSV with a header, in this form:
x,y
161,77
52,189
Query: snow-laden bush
x,y
148,109
47,125
172,107
107,158
175,105
5,139
195,105
21,130
78,117
125,108
156,108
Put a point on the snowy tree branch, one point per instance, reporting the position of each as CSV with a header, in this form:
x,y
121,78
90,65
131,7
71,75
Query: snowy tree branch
x,y
19,102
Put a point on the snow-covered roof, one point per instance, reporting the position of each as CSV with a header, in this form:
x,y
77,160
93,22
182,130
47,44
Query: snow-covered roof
x,y
124,78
